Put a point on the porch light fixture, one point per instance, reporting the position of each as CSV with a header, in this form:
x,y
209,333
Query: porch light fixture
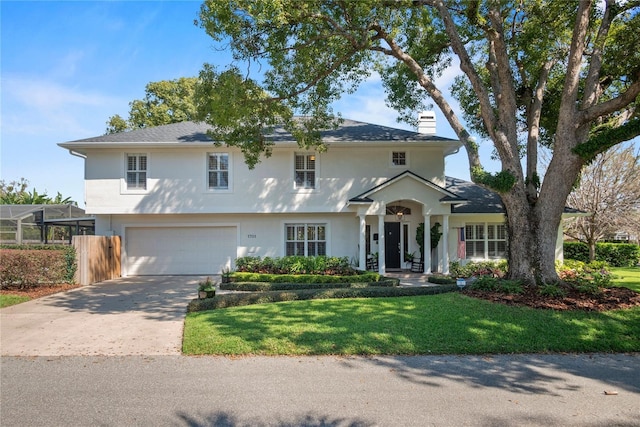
x,y
400,215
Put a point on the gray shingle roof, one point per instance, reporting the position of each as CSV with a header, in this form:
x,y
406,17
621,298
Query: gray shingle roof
x,y
478,199
481,200
175,132
185,132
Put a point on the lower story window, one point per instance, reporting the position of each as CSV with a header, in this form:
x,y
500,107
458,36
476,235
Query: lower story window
x,y
496,240
486,241
306,239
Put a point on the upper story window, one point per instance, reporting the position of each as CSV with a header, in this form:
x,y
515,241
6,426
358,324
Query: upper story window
x,y
218,171
305,171
136,165
399,158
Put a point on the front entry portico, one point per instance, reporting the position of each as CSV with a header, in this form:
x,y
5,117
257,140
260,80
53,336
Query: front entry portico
x,y
392,212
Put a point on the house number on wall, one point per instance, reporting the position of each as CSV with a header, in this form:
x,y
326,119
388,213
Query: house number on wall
x,y
251,236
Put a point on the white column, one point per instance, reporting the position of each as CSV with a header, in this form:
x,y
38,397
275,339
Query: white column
x,y
445,244
427,244
19,232
362,255
381,238
486,241
559,243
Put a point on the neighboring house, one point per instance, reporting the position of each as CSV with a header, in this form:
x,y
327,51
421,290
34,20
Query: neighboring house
x,y
624,236
185,206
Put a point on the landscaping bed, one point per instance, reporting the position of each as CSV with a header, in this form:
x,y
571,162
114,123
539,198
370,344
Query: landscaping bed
x,y
285,286
613,298
40,291
584,286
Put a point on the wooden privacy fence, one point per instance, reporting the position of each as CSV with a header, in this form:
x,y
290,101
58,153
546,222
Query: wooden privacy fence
x,y
98,258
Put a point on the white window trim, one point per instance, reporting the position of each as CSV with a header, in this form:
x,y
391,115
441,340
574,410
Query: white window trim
x,y
406,159
485,240
305,222
316,170
229,189
123,174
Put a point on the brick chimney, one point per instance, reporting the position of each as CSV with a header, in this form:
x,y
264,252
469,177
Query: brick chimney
x,y
427,122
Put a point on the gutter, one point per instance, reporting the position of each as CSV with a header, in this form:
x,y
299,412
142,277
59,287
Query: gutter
x,y
77,154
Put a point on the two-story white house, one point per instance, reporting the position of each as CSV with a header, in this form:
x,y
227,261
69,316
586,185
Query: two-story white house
x,y
185,206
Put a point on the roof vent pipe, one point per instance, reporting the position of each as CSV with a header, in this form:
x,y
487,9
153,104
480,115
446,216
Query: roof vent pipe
x,y
427,122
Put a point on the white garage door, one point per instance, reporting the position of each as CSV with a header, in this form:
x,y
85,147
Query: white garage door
x,y
179,250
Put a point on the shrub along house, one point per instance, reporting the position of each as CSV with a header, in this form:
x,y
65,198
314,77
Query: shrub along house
x,y
185,206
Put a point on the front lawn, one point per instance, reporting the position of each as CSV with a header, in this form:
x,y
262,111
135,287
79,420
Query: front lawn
x,y
629,277
7,299
440,324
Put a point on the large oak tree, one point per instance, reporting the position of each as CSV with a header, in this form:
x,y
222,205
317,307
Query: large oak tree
x,y
562,73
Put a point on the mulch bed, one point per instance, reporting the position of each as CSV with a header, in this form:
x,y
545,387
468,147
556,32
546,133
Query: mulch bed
x,y
39,291
613,298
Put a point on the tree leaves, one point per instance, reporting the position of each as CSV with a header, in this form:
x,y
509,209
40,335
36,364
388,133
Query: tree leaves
x,y
165,102
16,193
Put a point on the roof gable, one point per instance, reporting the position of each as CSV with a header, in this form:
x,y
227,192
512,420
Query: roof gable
x,y
365,197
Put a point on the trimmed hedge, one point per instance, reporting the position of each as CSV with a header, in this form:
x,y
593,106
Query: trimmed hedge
x,y
295,265
442,280
235,300
578,251
497,268
26,266
304,278
269,286
615,254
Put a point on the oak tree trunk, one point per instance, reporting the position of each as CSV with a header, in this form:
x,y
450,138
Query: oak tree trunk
x,y
534,226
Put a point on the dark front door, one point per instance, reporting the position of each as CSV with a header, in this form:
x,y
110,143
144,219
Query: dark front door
x,y
392,244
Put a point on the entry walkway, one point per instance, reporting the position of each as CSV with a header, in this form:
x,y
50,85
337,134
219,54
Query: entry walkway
x,y
127,316
411,279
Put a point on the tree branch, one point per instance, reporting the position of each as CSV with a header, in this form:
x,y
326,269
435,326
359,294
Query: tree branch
x,y
572,79
612,105
592,88
534,113
507,105
466,65
436,95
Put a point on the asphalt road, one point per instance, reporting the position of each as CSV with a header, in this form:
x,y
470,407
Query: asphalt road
x,y
521,390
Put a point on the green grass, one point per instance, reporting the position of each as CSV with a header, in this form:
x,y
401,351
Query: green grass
x,y
441,324
627,276
6,300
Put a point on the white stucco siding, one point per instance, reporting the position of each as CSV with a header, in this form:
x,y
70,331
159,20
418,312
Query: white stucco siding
x,y
177,180
460,220
183,244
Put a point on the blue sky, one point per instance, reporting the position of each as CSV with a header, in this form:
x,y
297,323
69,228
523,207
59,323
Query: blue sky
x,y
67,66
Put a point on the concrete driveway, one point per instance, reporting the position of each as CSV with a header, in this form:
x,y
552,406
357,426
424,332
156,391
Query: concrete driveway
x,y
127,316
